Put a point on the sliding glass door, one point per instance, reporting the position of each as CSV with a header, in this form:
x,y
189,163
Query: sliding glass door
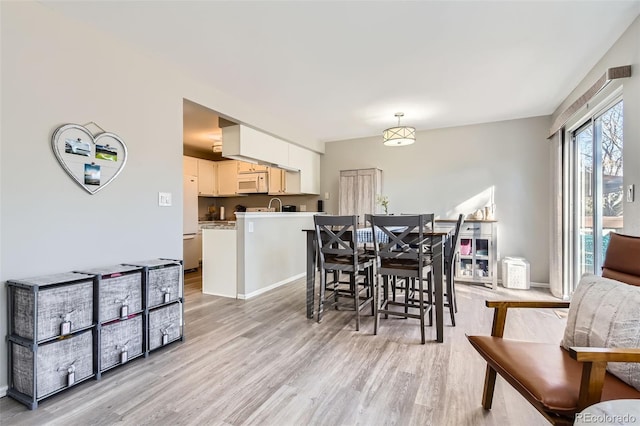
x,y
597,188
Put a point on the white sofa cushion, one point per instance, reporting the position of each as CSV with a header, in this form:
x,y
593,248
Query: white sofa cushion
x,y
606,313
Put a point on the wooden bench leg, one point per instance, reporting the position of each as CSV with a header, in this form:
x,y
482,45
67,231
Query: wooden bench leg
x,y
489,386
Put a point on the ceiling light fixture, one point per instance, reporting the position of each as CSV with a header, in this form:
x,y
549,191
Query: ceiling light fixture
x,y
399,136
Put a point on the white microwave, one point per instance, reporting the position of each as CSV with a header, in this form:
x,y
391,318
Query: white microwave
x,y
252,183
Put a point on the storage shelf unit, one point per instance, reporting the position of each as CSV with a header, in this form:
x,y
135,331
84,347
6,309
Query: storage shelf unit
x,y
66,328
478,255
164,313
51,334
120,307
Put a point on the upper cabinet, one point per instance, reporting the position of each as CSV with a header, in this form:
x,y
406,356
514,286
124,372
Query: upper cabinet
x,y
283,182
207,178
189,166
246,144
215,178
308,162
244,167
227,178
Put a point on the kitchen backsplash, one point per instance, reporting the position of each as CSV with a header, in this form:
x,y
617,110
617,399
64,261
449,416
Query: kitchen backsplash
x,y
229,204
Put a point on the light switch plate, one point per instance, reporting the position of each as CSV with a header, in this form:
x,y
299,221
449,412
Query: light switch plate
x,y
630,193
164,199
326,195
249,226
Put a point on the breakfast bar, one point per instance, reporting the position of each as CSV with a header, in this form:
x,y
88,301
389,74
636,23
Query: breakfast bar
x,y
259,253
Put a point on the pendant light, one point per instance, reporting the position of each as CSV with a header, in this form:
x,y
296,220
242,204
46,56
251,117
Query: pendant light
x,y
400,135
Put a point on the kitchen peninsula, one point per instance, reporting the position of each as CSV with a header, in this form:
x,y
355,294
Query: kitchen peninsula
x,y
264,251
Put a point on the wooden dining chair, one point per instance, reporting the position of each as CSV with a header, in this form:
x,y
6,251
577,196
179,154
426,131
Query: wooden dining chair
x,y
339,253
402,250
450,254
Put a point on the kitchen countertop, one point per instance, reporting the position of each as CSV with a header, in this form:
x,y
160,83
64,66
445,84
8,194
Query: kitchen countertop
x,y
218,224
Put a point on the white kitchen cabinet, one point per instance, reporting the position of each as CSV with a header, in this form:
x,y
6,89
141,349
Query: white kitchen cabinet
x,y
207,171
227,177
308,162
245,167
359,190
240,142
283,182
189,166
219,262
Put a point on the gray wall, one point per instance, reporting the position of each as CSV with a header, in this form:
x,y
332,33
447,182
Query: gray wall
x,y
455,170
55,71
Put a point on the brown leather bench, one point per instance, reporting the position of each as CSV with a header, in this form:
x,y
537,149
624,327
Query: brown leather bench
x,y
560,383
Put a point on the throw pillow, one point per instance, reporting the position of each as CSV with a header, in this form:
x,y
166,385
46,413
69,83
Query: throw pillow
x,y
604,313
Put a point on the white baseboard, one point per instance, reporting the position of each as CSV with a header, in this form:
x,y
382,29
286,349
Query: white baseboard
x,y
532,284
3,391
540,285
271,287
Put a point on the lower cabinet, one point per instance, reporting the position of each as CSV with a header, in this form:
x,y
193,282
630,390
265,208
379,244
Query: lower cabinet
x,y
478,253
66,328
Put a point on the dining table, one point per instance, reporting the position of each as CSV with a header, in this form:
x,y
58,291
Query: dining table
x,y
439,237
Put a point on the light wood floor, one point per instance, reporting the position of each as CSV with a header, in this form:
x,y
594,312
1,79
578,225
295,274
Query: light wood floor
x,y
262,362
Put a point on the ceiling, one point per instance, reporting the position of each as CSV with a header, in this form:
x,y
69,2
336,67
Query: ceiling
x,y
342,69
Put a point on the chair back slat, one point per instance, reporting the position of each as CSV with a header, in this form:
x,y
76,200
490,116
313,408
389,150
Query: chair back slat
x,y
336,237
406,239
453,246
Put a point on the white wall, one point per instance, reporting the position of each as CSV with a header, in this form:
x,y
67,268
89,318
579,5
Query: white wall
x,y
626,51
56,71
453,170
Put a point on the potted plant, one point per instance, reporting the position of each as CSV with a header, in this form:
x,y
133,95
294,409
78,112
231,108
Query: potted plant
x,y
383,200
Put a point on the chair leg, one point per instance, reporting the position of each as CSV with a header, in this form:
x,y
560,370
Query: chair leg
x,y
489,387
386,292
323,284
376,300
430,297
371,289
393,281
356,299
421,307
450,299
453,291
406,294
336,284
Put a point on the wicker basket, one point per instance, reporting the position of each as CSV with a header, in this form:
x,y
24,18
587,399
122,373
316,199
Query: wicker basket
x,y
118,286
117,337
53,364
56,304
165,321
163,281
118,291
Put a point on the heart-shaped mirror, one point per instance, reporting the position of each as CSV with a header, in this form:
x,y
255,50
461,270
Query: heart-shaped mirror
x,y
93,161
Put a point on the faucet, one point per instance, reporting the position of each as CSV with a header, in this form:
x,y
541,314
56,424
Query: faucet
x,y
276,198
